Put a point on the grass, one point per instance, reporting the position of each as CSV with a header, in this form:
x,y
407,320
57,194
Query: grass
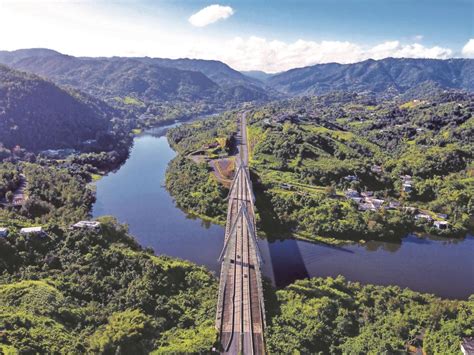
x,y
137,131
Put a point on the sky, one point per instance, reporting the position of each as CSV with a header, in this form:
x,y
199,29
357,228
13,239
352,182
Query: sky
x,y
271,36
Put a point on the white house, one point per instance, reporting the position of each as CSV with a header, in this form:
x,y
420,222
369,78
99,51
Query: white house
x,y
86,225
32,231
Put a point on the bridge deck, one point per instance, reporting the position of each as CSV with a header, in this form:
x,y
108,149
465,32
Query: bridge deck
x,y
240,310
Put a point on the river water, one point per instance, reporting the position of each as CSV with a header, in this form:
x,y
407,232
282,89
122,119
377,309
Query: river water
x,y
135,195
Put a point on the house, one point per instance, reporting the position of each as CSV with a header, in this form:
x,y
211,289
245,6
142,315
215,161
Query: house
x,y
86,225
423,216
442,215
356,199
467,346
351,193
410,209
366,207
377,203
393,205
32,231
367,193
406,178
441,225
376,169
351,178
3,232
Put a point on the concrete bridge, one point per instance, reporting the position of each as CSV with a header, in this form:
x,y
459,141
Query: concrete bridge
x,y
240,317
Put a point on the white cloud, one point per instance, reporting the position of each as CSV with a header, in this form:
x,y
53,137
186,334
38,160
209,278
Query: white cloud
x,y
210,14
255,53
83,28
418,38
468,49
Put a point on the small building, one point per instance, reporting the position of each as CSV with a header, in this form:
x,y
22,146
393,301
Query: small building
x,y
366,207
86,225
407,187
367,193
406,178
351,178
3,232
377,203
467,346
423,216
393,205
441,225
442,215
32,231
351,193
410,209
376,169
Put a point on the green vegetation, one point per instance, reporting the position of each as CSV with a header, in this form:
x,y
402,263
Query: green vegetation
x,y
195,189
39,115
306,153
332,316
98,291
9,179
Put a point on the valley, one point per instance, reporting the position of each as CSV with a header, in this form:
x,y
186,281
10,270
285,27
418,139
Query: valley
x,y
364,202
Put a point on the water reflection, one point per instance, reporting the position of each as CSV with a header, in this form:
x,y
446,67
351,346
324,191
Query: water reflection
x,y
135,195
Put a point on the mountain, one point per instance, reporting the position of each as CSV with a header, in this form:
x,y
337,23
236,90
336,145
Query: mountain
x,y
393,75
147,79
258,74
8,58
36,114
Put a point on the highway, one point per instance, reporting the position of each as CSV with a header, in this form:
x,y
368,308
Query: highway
x,y
240,312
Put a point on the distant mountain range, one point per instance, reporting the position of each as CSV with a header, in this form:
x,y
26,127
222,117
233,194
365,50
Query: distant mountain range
x,y
395,76
213,82
147,79
36,114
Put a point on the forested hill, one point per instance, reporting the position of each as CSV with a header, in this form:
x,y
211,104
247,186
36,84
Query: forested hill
x,y
387,76
36,114
146,79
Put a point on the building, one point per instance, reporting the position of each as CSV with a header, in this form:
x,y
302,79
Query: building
x,y
3,232
441,225
367,193
467,346
423,216
32,231
393,205
351,178
351,193
376,169
407,187
86,225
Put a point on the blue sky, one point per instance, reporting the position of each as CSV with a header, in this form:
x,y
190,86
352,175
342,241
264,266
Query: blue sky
x,y
249,35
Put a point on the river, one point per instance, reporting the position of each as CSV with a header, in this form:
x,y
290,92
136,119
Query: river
x,y
135,195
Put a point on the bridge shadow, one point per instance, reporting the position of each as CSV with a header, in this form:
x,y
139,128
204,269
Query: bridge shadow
x,y
284,253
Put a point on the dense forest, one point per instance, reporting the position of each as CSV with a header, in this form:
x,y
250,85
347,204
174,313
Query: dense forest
x,y
37,114
97,291
332,316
